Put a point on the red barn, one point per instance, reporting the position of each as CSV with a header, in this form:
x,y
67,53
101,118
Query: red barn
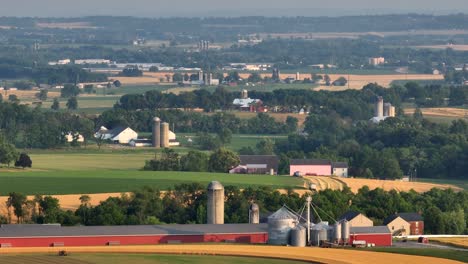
x,y
56,235
378,235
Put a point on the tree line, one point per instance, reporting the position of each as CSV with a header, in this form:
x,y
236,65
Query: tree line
x,y
444,211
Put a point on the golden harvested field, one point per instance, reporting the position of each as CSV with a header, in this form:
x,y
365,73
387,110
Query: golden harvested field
x,y
453,241
323,183
356,184
67,202
71,25
321,255
440,112
454,47
27,95
355,81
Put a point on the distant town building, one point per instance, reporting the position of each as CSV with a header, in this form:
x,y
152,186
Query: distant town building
x,y
376,61
60,62
249,105
92,61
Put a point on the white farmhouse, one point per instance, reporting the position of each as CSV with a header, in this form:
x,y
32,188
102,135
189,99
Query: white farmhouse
x,y
122,135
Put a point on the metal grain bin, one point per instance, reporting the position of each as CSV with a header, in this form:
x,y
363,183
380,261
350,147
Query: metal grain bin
x,y
298,236
337,232
345,231
279,226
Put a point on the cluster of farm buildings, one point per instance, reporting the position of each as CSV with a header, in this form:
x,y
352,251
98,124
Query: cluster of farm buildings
x,y
268,164
284,227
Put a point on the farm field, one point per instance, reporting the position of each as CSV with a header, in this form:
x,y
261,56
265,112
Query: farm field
x,y
314,255
356,81
457,255
460,183
335,183
452,241
134,258
108,181
356,184
440,112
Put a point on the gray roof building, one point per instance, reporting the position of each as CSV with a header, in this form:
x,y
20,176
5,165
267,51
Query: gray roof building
x,y
310,162
10,231
370,230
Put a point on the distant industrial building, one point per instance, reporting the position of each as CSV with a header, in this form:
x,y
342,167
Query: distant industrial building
x,y
92,61
376,61
405,224
356,219
257,164
317,167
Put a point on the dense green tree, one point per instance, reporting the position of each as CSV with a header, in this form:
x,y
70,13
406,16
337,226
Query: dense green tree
x,y
194,161
72,103
42,95
55,104
222,160
69,90
24,161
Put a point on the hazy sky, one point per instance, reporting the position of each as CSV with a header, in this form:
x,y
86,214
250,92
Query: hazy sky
x,y
156,8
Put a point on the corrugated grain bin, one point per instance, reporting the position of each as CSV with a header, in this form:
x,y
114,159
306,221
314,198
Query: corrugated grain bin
x,y
279,226
298,237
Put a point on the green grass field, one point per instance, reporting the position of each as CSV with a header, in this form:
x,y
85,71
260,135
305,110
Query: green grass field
x,y
134,258
457,255
111,181
460,183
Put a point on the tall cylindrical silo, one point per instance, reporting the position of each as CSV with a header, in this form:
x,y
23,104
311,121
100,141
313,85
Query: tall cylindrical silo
x,y
156,132
215,208
345,231
254,214
386,109
164,135
392,111
337,232
379,107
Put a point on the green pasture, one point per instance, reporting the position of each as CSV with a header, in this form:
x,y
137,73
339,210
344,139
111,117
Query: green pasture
x,y
460,183
134,258
106,181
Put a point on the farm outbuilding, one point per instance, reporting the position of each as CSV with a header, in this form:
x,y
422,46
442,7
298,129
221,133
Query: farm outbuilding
x,y
257,164
378,235
356,219
56,235
313,167
408,223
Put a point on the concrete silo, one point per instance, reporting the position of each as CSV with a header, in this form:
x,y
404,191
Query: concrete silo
x,y
392,112
164,135
156,132
215,208
379,107
386,109
244,94
254,214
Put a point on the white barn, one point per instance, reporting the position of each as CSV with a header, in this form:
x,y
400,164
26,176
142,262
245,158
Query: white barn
x,y
122,135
